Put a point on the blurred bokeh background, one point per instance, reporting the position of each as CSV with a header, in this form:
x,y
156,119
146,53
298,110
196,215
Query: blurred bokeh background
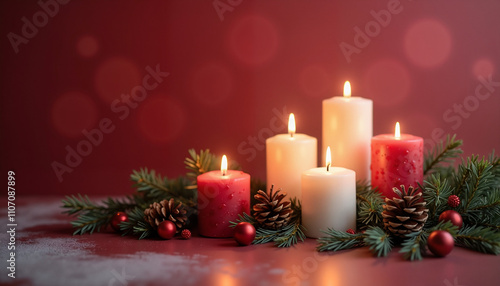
x,y
147,80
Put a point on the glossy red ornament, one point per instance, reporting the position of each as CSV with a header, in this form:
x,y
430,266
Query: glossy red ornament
x,y
117,219
440,242
166,229
453,216
351,231
244,233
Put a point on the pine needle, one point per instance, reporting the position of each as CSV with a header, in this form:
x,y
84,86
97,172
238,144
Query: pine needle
x,y
442,154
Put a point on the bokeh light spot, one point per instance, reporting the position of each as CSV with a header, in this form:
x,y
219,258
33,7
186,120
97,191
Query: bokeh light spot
x,y
114,77
253,40
428,43
72,112
87,46
483,67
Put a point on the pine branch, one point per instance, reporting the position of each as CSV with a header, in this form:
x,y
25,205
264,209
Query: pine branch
x,y
92,217
339,240
414,245
478,238
378,240
198,164
283,237
442,154
154,187
435,192
137,225
78,204
477,188
369,204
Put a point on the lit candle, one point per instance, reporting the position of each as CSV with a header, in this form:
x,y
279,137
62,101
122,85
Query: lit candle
x,y
348,128
396,160
287,156
222,196
328,199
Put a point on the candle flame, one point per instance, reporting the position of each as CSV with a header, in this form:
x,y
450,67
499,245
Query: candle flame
x,y
223,165
347,89
328,158
291,124
397,132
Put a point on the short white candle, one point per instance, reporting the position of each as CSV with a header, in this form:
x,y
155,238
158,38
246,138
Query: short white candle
x,y
348,129
287,156
328,199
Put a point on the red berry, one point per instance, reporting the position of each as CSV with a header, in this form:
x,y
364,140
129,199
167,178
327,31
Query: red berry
x,y
351,231
244,233
453,201
167,229
118,218
453,216
186,234
440,242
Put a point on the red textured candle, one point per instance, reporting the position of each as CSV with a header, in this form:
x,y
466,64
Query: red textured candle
x,y
222,196
396,160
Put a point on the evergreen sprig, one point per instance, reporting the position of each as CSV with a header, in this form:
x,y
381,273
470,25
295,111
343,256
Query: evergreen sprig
x,y
479,238
369,206
136,224
442,154
198,164
284,237
339,240
91,216
378,240
435,192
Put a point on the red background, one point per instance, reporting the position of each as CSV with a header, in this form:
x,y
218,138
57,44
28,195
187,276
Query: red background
x,y
228,71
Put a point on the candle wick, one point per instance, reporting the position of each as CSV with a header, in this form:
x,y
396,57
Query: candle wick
x,y
224,172
328,168
291,134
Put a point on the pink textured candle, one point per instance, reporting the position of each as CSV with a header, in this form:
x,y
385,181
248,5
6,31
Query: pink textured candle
x,y
396,161
220,199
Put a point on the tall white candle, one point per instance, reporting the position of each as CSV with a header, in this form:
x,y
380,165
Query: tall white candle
x,y
348,129
287,156
328,199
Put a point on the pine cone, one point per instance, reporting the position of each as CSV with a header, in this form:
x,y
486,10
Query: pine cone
x,y
405,214
272,212
165,210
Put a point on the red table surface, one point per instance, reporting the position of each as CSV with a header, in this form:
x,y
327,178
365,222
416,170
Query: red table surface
x,y
48,254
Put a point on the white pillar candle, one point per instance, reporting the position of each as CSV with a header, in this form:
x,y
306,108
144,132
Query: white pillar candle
x,y
348,129
328,199
287,156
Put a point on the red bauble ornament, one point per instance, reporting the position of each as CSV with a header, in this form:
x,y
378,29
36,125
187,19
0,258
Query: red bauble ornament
x,y
117,219
244,233
453,216
166,229
453,201
186,234
440,242
351,231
